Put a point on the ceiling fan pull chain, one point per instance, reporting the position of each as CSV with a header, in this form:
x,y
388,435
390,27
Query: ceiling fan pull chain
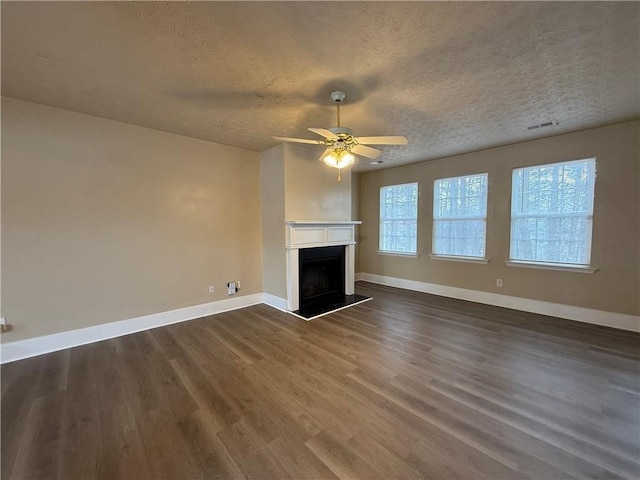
x,y
339,177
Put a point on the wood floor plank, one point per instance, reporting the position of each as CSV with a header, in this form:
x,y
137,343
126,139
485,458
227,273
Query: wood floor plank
x,y
17,400
298,461
294,420
211,458
141,389
110,386
407,385
80,422
209,399
336,455
250,452
121,452
378,461
165,460
174,395
310,399
37,456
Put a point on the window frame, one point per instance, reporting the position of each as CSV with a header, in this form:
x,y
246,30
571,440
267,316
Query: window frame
x,y
456,257
547,264
381,221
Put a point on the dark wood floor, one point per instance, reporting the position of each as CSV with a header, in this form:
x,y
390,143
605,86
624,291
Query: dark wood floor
x,y
407,385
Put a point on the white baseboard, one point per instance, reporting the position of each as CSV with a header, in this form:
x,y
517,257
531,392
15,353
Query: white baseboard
x,y
570,312
12,351
31,347
275,302
358,276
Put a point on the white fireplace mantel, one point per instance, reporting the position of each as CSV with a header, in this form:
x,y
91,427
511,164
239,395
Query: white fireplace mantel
x,y
311,234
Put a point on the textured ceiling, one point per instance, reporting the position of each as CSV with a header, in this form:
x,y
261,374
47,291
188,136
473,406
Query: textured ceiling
x,y
453,76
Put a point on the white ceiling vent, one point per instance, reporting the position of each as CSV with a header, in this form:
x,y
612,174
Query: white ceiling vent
x,y
542,125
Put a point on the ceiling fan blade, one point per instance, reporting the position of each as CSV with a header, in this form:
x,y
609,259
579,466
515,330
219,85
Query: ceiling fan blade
x,y
366,151
386,140
323,132
299,140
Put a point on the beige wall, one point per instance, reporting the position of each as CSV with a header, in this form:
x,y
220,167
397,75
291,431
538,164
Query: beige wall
x,y
614,287
104,221
274,276
355,213
312,190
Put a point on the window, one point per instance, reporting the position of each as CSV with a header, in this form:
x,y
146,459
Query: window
x,y
398,218
460,216
551,212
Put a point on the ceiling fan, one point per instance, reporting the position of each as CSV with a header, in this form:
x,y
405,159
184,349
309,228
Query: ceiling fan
x,y
341,145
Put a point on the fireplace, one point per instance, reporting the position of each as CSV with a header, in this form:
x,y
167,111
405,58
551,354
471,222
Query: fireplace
x,y
320,267
321,277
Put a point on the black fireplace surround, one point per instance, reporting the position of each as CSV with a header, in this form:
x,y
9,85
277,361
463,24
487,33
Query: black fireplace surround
x,y
321,277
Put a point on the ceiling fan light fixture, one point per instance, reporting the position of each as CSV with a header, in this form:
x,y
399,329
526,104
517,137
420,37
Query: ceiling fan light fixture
x,y
339,159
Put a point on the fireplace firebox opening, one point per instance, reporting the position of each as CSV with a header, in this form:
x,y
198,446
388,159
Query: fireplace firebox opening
x,y
321,277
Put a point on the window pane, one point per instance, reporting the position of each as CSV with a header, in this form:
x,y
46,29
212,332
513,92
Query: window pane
x,y
460,216
398,218
459,237
551,211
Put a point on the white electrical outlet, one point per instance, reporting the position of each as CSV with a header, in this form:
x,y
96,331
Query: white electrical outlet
x,y
231,288
498,282
212,289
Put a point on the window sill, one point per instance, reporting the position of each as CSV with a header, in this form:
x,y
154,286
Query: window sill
x,y
398,254
563,267
453,258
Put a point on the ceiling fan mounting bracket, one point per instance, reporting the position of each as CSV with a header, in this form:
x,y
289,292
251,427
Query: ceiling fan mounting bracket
x,y
338,96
